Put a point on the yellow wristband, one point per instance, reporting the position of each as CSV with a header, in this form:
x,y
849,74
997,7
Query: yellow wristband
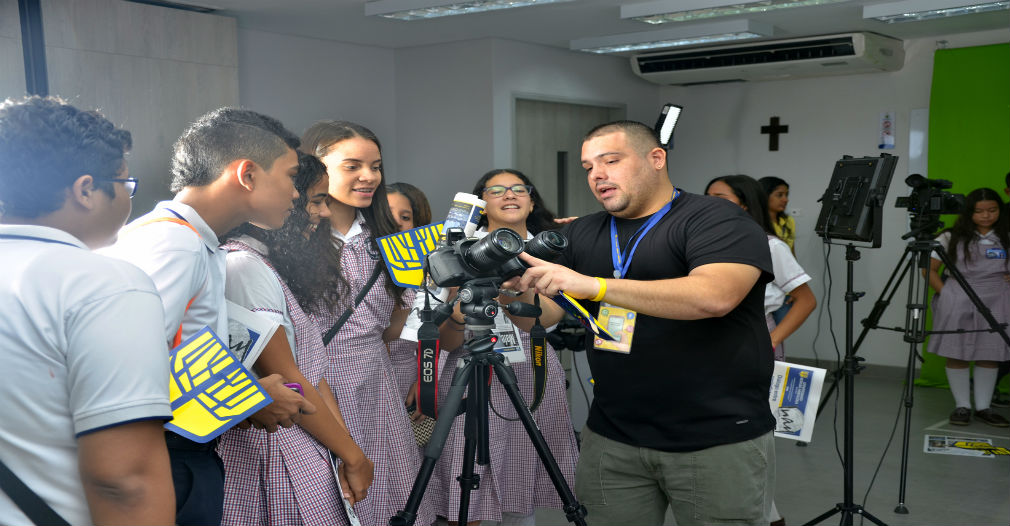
x,y
603,290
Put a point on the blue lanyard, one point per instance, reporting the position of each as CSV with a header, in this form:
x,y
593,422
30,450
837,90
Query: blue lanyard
x,y
622,263
33,238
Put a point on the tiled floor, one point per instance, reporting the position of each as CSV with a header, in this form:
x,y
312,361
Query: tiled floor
x,y
941,489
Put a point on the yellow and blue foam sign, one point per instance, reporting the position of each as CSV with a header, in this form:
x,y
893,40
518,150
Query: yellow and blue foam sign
x,y
404,253
209,389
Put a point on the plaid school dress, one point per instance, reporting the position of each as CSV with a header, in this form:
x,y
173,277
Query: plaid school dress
x,y
283,478
362,378
515,481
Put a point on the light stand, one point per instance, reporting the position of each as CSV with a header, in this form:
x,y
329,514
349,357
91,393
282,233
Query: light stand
x,y
847,507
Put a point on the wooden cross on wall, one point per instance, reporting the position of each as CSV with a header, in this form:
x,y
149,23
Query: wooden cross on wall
x,y
773,130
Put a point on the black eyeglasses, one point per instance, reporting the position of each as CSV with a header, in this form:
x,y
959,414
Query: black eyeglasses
x,y
130,182
517,189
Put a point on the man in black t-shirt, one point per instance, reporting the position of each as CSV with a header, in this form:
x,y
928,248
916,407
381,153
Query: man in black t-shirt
x,y
682,419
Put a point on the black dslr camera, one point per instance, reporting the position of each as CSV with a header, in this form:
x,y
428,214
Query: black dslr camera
x,y
928,197
494,256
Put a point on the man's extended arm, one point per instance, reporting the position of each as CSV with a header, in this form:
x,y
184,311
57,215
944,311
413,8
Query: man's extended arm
x,y
708,291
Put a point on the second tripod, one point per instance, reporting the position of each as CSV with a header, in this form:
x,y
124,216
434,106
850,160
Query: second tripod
x,y
472,376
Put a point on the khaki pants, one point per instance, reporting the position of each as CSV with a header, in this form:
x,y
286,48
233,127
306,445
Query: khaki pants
x,y
727,484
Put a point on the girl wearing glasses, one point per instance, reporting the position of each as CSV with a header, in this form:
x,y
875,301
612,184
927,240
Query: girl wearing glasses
x,y
515,483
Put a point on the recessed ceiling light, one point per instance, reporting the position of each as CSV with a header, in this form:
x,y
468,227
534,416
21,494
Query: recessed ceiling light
x,y
665,11
915,10
420,9
675,36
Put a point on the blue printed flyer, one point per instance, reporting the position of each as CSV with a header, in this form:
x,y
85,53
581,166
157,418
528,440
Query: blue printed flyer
x,y
794,396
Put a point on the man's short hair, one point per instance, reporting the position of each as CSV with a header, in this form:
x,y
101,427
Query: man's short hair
x,y
641,137
45,145
225,135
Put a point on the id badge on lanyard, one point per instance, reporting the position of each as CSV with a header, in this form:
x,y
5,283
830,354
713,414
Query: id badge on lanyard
x,y
618,320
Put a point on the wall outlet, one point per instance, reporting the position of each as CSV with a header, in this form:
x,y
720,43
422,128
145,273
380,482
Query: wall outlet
x,y
795,212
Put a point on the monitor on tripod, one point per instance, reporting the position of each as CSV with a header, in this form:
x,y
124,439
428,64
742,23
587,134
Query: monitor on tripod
x,y
852,206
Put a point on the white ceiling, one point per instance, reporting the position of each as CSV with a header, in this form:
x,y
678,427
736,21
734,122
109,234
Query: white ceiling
x,y
553,24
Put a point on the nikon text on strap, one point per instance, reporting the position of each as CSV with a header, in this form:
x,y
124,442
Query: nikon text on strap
x,y
350,310
538,352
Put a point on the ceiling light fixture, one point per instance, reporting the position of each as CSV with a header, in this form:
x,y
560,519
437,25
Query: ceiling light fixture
x,y
675,36
664,11
915,10
420,9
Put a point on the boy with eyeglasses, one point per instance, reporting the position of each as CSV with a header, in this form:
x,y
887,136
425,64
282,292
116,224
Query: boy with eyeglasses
x,y
87,390
230,167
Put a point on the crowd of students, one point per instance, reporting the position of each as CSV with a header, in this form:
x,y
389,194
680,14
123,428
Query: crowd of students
x,y
285,226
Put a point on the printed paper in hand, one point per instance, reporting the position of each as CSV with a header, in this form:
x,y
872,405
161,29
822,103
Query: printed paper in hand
x,y
794,396
248,333
351,516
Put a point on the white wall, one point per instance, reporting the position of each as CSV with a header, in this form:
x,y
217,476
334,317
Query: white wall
x,y
455,104
303,80
150,70
12,66
539,72
828,117
444,118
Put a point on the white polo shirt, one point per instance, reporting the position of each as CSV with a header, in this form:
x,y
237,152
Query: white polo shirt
x,y
82,349
183,265
788,275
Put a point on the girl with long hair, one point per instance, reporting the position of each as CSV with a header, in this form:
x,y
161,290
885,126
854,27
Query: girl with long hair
x,y
977,244
790,278
286,477
410,209
777,191
515,482
360,372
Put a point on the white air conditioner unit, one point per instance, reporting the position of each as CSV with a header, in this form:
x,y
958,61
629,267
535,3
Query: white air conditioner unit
x,y
843,54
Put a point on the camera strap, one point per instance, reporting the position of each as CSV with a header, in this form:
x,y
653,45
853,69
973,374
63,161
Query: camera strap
x,y
427,359
37,510
538,351
350,310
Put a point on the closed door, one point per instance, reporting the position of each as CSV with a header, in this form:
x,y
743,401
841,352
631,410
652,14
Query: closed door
x,y
549,146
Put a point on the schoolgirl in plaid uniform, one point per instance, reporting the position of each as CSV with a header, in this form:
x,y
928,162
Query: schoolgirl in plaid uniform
x,y
281,478
360,372
515,482
287,478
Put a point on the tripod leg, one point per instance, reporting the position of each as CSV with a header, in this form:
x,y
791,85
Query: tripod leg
x,y
574,511
915,335
443,425
476,421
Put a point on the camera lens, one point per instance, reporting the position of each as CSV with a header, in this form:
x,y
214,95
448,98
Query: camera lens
x,y
496,248
547,245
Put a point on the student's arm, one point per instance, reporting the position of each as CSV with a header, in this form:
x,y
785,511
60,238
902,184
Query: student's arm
x,y
396,321
934,274
804,303
117,381
126,474
708,291
322,425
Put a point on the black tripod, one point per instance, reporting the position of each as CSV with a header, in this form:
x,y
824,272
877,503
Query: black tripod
x,y
851,368
915,261
472,374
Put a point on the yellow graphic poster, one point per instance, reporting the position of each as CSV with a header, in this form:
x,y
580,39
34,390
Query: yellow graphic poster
x,y
404,253
209,389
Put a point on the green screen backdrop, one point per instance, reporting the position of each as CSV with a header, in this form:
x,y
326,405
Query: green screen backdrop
x,y
969,135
